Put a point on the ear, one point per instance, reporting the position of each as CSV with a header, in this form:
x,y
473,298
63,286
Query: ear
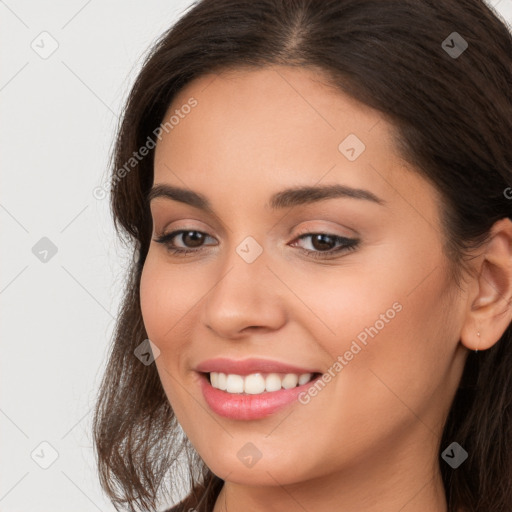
x,y
490,294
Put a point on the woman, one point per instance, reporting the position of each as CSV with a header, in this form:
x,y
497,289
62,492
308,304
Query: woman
x,y
318,198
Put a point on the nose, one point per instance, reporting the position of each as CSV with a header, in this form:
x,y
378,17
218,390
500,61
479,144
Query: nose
x,y
245,297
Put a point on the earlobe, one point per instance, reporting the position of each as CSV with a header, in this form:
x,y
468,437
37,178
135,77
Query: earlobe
x,y
490,309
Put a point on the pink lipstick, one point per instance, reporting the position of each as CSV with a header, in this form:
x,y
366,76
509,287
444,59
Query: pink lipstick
x,y
252,389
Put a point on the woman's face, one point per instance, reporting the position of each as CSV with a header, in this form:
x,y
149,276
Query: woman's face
x,y
351,287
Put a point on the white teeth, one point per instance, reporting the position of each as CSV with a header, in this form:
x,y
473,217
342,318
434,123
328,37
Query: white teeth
x,y
221,381
305,377
290,381
273,382
234,383
256,383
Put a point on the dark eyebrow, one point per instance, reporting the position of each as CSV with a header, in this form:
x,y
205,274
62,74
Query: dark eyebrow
x,y
303,195
283,199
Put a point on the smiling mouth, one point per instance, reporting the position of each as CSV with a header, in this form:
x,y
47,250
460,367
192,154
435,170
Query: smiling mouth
x,y
257,383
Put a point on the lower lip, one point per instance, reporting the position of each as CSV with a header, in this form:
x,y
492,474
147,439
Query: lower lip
x,y
249,407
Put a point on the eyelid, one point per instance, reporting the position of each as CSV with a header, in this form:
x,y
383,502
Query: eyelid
x,y
181,225
163,214
301,231
313,226
333,231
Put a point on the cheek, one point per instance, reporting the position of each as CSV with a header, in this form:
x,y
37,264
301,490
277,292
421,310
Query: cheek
x,y
164,305
167,297
396,321
406,359
396,380
151,290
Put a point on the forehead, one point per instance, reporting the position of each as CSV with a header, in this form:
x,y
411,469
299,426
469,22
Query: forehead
x,y
267,128
275,100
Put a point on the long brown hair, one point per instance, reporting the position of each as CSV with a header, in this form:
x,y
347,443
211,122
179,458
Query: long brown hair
x,y
453,118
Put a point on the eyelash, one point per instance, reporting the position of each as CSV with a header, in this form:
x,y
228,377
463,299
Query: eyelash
x,y
348,244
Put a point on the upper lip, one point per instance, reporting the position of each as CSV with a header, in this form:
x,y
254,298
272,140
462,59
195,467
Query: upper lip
x,y
248,366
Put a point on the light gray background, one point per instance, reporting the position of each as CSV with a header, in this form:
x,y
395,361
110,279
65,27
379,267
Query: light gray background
x,y
58,118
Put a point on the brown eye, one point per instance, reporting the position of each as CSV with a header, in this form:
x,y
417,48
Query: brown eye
x,y
324,245
191,241
192,238
323,242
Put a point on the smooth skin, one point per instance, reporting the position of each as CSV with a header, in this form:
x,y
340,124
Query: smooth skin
x,y
369,441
